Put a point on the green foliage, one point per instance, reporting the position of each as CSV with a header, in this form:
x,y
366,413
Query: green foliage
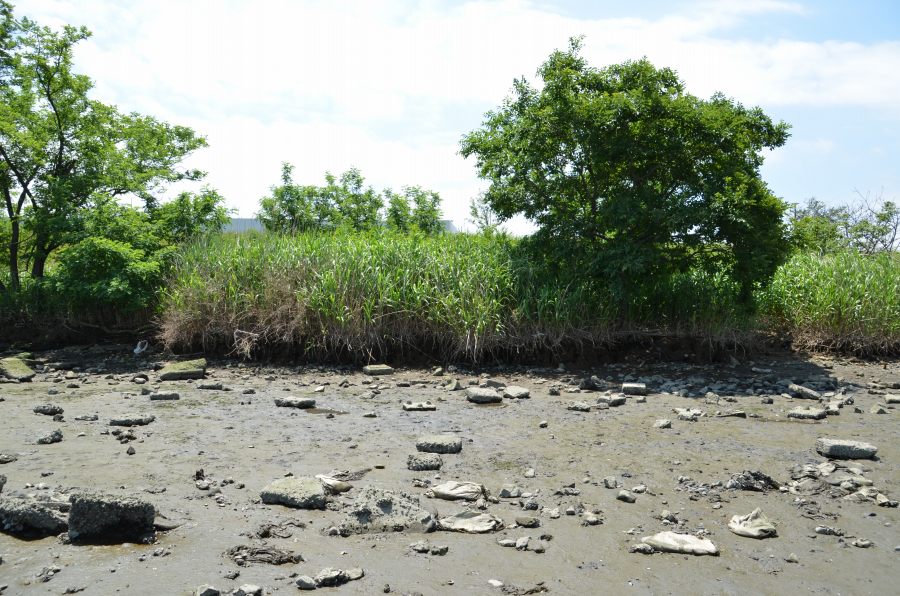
x,y
867,227
844,301
99,270
291,208
631,177
426,214
59,149
190,215
399,213
482,215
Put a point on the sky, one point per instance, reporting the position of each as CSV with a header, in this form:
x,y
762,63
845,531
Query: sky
x,y
391,87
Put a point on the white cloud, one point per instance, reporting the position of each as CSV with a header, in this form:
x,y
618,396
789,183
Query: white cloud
x,y
391,86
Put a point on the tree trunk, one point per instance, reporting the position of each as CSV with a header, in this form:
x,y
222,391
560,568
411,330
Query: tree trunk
x,y
14,255
40,261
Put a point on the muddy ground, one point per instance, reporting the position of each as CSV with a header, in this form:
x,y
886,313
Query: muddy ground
x,y
233,435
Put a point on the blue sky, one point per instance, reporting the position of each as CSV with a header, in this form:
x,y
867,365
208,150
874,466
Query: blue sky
x,y
390,87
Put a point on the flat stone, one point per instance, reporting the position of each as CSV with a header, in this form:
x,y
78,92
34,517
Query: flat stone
x,y
841,449
483,395
302,403
184,370
579,406
809,413
164,396
98,517
613,401
299,492
215,386
207,590
133,420
516,392
662,423
16,369
378,369
424,462
379,510
439,444
634,388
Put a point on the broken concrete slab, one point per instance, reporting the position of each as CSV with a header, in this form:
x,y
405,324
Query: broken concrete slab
x,y
841,449
439,444
16,369
299,492
29,518
110,518
132,420
801,392
184,370
379,510
483,395
378,369
808,413
424,462
165,396
302,403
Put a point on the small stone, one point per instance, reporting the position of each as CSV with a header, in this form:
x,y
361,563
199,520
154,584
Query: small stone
x,y
527,521
483,395
662,423
626,496
130,450
579,406
305,582
495,583
164,396
301,403
207,590
53,437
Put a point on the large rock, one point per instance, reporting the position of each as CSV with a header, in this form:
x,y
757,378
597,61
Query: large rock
x,y
483,395
439,444
183,371
299,492
839,449
15,368
29,518
378,510
670,542
97,517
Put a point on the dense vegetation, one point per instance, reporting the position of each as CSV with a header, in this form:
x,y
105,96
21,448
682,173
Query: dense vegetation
x,y
653,222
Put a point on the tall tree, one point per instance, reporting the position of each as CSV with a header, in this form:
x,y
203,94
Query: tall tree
x,y
631,176
60,149
426,213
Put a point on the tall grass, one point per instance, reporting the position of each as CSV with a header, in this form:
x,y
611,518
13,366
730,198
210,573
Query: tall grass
x,y
379,295
846,302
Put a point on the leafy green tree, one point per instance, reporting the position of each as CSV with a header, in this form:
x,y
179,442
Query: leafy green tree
x,y
630,178
481,215
291,208
399,213
818,228
357,206
190,214
59,148
426,214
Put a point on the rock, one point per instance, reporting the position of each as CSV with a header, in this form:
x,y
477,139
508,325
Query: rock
x,y
634,388
419,406
439,444
752,480
333,485
483,395
662,423
610,482
807,413
247,590
211,386
330,577
495,583
419,462
862,543
302,403
688,414
207,590
516,392
48,410
470,522
840,449
53,437
270,555
299,492
184,370
892,399
108,518
133,420
642,548
670,542
522,543
7,458
612,401
305,582
509,491
579,406
453,491
16,369
528,521
626,496
356,573
801,392
378,510
164,396
29,518
378,369
752,525
877,409
2,482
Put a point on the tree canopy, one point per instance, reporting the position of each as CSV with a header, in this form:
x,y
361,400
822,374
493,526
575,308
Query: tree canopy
x,y
630,175
62,151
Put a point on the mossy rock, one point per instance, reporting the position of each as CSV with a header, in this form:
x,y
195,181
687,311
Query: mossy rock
x,y
182,371
15,368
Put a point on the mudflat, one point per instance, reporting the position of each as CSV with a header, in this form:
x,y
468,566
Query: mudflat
x,y
554,489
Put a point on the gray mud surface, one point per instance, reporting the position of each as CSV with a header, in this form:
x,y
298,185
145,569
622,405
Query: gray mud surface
x,y
242,442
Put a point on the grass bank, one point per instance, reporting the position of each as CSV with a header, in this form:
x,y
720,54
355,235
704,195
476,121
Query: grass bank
x,y
844,302
384,295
